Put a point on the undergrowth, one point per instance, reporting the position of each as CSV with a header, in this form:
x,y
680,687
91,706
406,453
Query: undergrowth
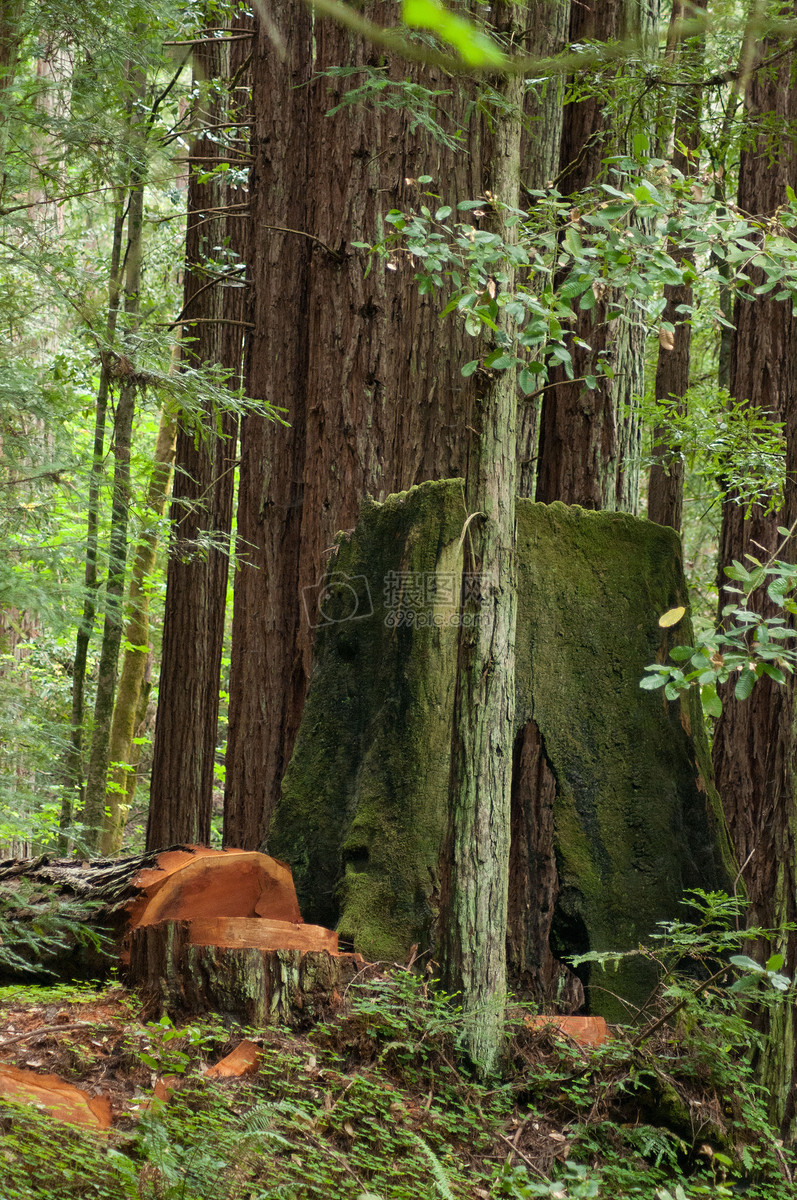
x,y
378,1104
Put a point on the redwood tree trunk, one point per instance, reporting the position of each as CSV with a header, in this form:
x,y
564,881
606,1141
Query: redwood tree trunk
x,y
753,743
589,438
368,374
666,484
181,795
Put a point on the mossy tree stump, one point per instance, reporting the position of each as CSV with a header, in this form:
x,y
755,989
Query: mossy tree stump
x,y
613,810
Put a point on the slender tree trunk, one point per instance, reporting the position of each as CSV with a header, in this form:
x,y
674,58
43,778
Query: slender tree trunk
x,y
590,438
137,653
474,908
547,25
753,742
368,374
181,793
120,505
666,485
74,787
10,45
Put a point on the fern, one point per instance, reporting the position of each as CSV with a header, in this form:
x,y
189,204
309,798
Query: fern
x,y
439,1175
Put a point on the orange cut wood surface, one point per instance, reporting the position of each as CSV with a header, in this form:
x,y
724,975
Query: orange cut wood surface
x,y
65,1102
587,1031
229,883
241,933
241,1061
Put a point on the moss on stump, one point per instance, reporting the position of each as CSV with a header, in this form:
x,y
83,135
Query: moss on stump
x,y
635,820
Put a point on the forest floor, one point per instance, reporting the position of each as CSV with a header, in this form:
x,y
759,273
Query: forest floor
x,y
373,1104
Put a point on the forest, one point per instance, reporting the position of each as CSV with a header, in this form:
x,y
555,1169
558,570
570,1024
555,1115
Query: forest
x,y
398,501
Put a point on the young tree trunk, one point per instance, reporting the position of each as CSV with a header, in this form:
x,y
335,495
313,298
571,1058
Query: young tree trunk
x,y
753,742
181,792
666,484
475,888
589,438
137,652
74,786
120,506
368,374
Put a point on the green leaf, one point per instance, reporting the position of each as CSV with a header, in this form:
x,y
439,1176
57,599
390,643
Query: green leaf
x,y
641,145
746,963
470,367
712,705
472,45
681,653
649,682
744,684
775,962
526,382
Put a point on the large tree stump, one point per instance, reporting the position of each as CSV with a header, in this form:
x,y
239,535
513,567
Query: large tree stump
x,y
255,986
613,810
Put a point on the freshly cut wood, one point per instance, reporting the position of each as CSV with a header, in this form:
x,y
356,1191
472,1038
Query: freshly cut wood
x,y
240,1061
244,933
254,986
586,1031
204,930
215,883
117,894
64,1101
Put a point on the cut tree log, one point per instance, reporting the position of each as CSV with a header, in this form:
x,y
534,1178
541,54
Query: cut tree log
x,y
198,930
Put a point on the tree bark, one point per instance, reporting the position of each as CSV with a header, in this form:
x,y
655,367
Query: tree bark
x,y
547,28
183,769
753,742
369,377
666,483
590,438
475,878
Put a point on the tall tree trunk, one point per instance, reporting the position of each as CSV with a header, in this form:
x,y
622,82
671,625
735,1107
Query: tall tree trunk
x,y
181,792
74,789
369,377
589,438
474,904
137,653
547,29
666,485
753,742
120,504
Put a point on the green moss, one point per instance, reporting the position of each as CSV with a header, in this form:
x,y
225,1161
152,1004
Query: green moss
x,y
365,799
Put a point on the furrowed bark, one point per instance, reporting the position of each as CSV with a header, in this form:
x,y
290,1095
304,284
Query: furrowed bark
x,y
181,794
590,437
753,741
368,374
666,483
474,907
